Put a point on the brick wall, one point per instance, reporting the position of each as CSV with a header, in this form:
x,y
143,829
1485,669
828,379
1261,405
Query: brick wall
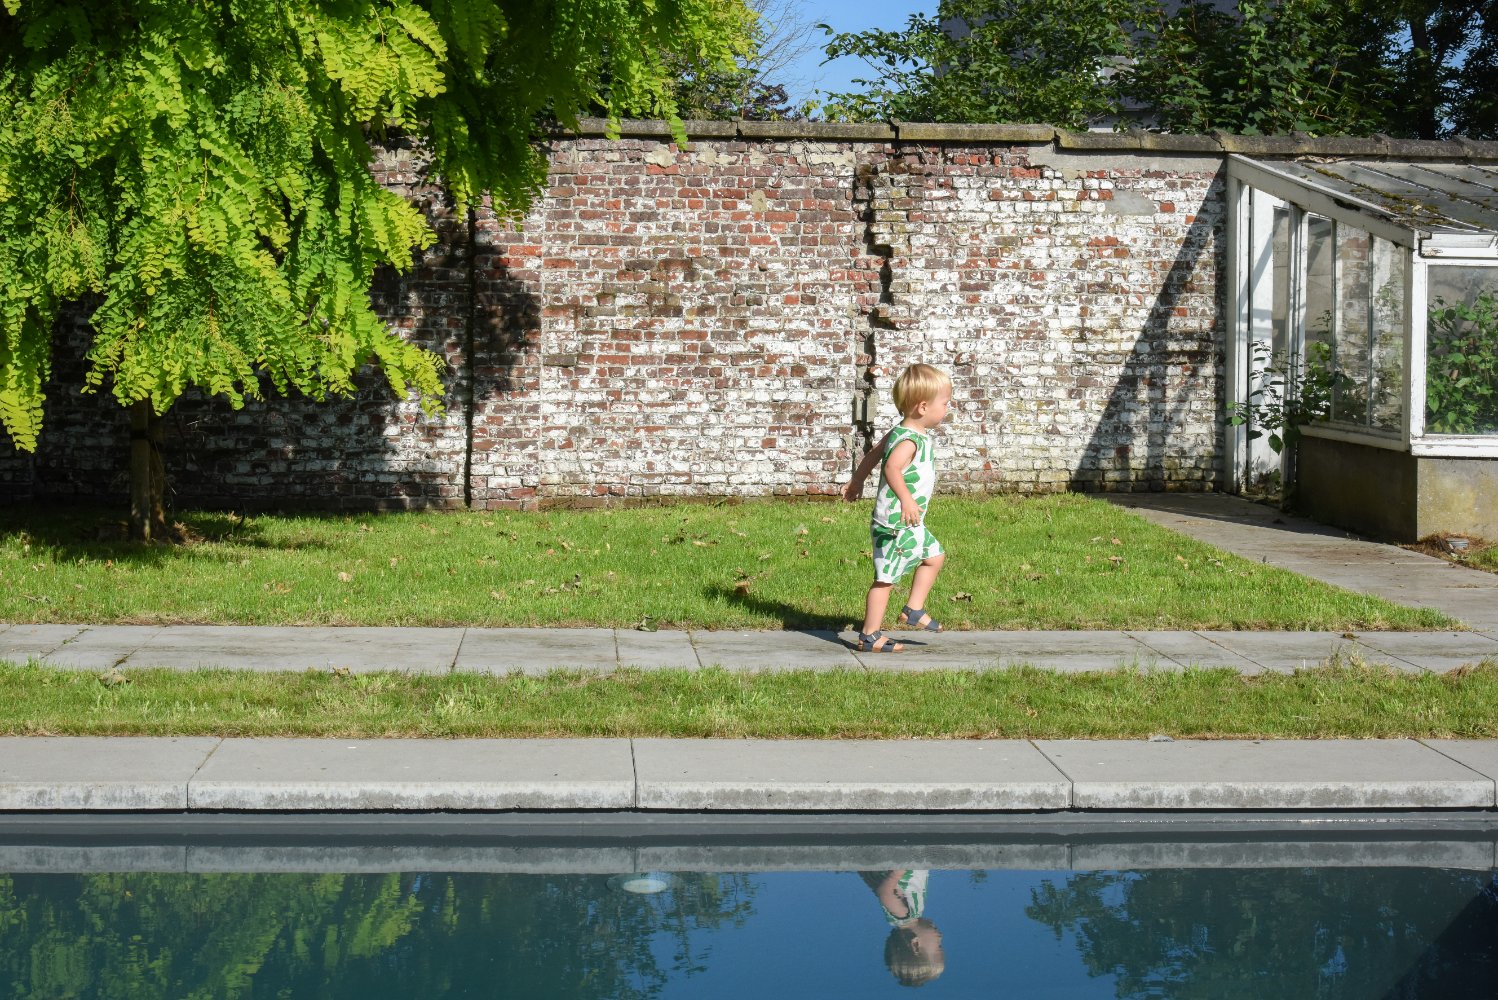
x,y
726,319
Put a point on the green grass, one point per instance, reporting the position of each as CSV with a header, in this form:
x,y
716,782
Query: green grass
x,y
1351,700
1058,562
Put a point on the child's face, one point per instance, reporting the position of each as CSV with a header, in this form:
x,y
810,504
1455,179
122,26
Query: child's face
x,y
931,412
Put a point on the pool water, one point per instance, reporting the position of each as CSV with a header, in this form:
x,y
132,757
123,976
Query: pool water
x,y
1211,932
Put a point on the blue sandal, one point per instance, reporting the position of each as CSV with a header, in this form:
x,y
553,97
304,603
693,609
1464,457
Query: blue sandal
x,y
878,642
913,618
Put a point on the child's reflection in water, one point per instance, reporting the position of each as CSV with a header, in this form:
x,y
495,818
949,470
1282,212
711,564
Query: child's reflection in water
x,y
913,949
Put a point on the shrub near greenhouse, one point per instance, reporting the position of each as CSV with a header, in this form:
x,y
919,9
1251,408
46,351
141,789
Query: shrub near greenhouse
x,y
1461,394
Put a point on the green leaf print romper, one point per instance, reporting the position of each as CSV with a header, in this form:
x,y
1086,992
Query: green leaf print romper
x,y
898,547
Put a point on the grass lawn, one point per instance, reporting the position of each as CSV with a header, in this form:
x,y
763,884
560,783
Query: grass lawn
x,y
1056,562
1349,700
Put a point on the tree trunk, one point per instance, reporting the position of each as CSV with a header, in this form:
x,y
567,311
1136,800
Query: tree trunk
x,y
147,475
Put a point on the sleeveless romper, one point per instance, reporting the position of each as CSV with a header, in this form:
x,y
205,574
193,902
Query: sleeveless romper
x,y
899,547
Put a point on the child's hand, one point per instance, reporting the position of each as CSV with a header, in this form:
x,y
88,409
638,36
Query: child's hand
x,y
910,512
853,491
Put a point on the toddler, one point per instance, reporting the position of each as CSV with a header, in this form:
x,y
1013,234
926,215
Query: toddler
x,y
908,479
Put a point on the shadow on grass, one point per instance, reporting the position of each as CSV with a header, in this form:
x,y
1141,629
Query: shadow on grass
x,y
97,533
789,616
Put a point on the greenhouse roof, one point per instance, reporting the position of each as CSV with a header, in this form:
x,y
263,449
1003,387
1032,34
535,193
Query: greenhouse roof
x,y
1444,208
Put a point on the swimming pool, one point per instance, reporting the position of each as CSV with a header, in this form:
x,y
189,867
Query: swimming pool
x,y
1340,912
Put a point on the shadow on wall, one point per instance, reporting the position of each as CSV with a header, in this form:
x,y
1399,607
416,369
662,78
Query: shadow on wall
x,y
367,451
1150,401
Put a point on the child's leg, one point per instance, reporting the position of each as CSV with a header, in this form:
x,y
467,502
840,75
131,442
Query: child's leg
x,y
875,606
925,576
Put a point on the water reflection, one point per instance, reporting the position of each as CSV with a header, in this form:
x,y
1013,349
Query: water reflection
x,y
913,951
1393,933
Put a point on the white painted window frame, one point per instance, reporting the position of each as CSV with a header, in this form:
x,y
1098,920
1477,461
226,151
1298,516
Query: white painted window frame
x,y
1437,445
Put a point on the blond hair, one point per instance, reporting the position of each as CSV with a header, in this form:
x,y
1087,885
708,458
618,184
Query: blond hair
x,y
909,965
919,384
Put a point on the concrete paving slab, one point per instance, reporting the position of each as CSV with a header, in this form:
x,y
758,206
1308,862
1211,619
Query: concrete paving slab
x,y
1188,649
296,648
297,774
1466,854
812,650
100,647
1265,774
838,775
115,772
1475,610
1065,651
656,650
537,650
1434,651
20,643
1479,755
1284,652
1267,535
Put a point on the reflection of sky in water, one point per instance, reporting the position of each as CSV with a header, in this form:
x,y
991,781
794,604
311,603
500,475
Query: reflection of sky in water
x,y
821,934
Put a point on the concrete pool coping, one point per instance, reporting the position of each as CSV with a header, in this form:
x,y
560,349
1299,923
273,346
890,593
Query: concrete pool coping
x,y
530,843
206,775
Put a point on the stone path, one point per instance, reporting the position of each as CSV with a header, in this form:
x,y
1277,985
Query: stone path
x,y
537,650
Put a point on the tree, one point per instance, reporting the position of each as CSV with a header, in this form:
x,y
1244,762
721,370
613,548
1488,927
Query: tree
x,y
198,175
993,61
1444,60
1415,68
1267,68
754,87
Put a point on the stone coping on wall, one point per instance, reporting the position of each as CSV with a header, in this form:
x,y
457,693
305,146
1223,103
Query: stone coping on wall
x,y
1134,139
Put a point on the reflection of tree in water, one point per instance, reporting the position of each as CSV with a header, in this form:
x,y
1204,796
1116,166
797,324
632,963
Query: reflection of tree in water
x,y
1220,934
398,935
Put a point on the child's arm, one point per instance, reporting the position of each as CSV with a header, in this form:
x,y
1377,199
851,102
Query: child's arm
x,y
894,474
854,489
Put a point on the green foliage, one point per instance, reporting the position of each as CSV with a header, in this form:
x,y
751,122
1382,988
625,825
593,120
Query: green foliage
x,y
1461,378
1268,68
1417,68
746,87
1287,396
1021,61
1443,63
199,173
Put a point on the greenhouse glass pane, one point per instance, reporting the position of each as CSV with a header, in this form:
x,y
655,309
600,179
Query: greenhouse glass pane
x,y
1386,266
1320,301
1350,351
1461,374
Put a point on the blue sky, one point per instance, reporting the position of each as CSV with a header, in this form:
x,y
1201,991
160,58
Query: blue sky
x,y
846,15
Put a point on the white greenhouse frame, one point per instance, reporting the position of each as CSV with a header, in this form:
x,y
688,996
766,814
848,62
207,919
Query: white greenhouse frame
x,y
1456,224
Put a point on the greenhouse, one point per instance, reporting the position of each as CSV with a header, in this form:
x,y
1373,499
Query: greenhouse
x,y
1363,350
